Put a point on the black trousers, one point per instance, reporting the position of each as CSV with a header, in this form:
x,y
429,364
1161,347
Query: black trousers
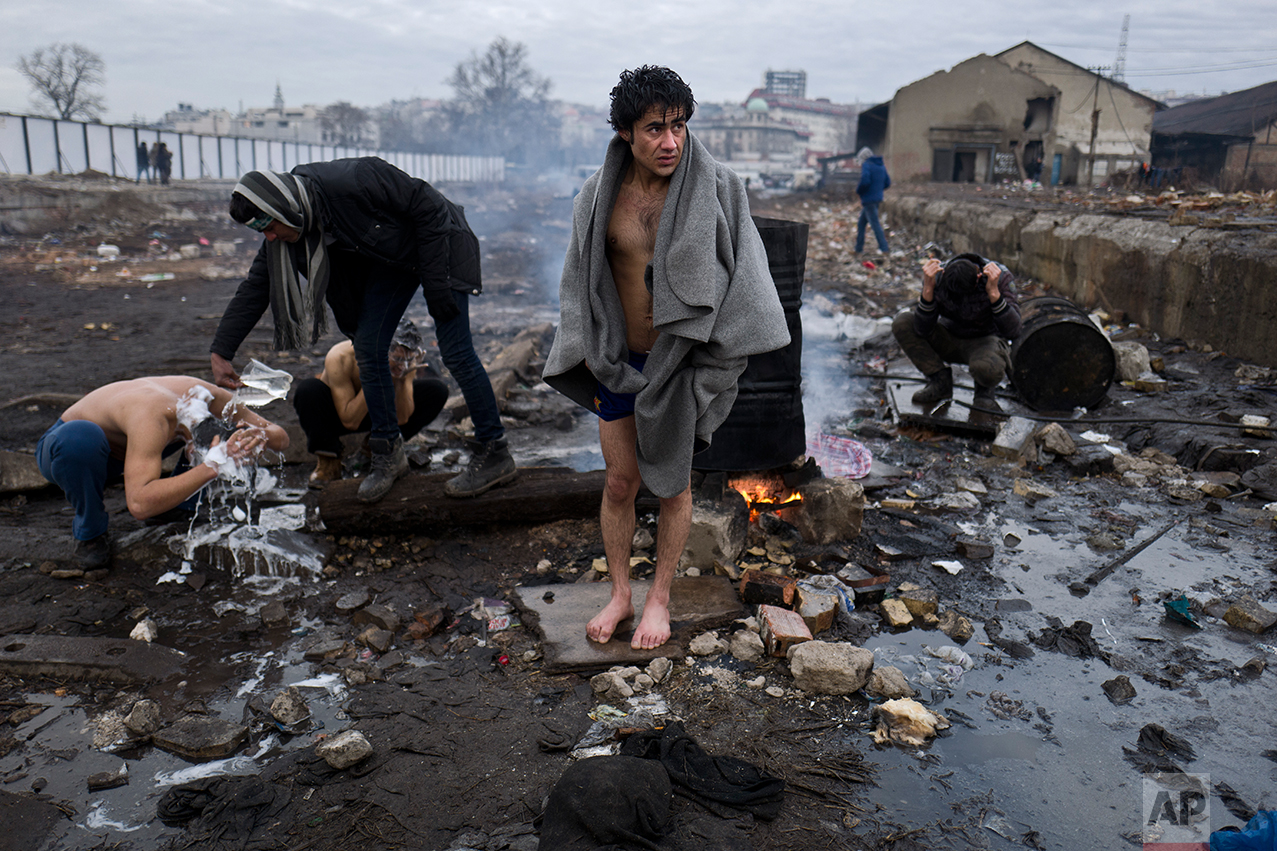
x,y
318,415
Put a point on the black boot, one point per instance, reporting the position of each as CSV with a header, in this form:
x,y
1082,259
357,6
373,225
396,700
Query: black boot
x,y
985,400
94,554
490,465
388,463
939,386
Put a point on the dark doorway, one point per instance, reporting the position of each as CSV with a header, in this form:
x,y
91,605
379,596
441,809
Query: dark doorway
x,y
964,167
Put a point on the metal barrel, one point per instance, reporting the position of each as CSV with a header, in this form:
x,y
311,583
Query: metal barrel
x,y
765,428
1061,360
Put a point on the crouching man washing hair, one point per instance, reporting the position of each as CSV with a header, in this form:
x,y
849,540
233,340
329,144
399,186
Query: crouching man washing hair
x,y
366,236
333,404
665,294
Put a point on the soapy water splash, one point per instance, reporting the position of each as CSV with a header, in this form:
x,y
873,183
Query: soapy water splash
x,y
273,545
218,767
97,819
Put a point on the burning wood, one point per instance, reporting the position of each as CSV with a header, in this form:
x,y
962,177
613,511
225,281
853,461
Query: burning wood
x,y
764,493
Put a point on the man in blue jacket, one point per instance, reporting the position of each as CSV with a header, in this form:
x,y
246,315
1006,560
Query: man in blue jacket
x,y
365,235
873,180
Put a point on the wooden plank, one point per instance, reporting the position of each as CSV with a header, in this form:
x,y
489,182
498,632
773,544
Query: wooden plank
x,y
417,501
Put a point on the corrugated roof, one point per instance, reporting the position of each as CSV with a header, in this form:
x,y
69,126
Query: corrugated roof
x,y
1241,114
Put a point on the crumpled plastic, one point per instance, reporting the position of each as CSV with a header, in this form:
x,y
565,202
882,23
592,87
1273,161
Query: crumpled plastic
x,y
840,457
1177,610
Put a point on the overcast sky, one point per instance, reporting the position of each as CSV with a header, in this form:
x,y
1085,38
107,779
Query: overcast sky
x,y
228,53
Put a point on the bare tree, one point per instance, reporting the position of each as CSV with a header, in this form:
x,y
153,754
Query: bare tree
x,y
345,124
65,76
500,104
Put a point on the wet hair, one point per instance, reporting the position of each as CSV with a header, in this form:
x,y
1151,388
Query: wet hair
x,y
243,210
962,273
645,87
407,336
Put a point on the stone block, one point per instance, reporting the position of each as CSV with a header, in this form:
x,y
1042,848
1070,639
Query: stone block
x,y
718,531
273,614
326,649
377,615
144,718
1132,360
707,644
956,626
344,749
817,608
201,737
895,613
352,602
781,629
889,682
1031,491
1150,383
1014,440
823,667
1054,439
747,645
973,548
1247,614
759,588
289,707
831,511
376,638
918,600
19,473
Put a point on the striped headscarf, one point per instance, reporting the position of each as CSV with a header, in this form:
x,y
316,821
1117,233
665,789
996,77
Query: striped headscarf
x,y
287,198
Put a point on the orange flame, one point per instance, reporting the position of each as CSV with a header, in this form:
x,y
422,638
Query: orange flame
x,y
764,492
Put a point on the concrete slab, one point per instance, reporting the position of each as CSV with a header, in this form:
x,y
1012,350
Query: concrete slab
x,y
697,603
112,660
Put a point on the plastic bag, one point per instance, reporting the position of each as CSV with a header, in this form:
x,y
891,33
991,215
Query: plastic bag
x,y
1260,835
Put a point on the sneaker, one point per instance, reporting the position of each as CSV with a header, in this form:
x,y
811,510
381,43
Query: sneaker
x,y
327,468
95,553
490,465
939,386
388,463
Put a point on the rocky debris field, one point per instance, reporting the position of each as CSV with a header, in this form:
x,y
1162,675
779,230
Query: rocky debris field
x,y
1019,634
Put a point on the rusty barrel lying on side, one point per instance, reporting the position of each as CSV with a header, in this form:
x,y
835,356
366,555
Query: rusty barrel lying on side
x,y
1061,360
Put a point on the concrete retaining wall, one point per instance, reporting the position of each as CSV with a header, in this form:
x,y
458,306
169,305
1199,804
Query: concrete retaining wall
x,y
1212,285
32,205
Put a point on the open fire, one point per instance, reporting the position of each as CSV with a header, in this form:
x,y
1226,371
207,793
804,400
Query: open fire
x,y
764,493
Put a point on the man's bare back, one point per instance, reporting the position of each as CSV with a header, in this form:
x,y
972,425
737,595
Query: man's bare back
x,y
123,406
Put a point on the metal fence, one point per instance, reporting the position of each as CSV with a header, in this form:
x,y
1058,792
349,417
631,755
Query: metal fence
x,y
32,145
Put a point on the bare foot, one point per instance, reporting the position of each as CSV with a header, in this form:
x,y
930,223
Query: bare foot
x,y
601,627
654,628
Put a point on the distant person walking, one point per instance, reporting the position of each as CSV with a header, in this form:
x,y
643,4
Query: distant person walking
x,y
143,162
165,162
873,180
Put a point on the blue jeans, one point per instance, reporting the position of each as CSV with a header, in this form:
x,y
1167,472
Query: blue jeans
x,y
869,215
76,457
385,298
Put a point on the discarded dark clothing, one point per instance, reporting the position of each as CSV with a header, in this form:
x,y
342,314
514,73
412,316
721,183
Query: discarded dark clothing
x,y
1233,802
1073,640
706,778
1155,739
607,803
226,813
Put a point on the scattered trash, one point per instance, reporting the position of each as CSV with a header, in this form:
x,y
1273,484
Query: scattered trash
x,y
1177,610
840,456
907,722
262,385
953,568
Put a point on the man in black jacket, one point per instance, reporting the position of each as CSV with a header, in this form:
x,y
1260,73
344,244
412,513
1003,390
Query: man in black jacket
x,y
365,235
967,309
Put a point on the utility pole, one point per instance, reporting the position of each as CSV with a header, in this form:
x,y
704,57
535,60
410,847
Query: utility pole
x,y
1095,127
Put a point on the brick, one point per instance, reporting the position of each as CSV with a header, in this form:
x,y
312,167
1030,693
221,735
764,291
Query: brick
x,y
781,629
758,588
1015,439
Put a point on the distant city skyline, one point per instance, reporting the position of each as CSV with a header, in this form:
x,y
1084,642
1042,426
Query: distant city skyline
x,y
233,53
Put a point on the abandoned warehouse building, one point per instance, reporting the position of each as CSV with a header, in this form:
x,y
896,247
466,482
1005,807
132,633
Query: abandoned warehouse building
x,y
1024,113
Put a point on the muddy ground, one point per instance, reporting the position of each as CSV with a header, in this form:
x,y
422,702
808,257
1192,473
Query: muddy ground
x,y
465,722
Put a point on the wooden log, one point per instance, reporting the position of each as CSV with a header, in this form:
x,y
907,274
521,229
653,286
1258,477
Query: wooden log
x,y
417,502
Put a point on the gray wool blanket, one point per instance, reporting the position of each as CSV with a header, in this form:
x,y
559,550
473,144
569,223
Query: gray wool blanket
x,y
713,302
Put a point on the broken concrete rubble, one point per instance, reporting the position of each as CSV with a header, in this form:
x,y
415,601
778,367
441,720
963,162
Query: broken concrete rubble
x,y
823,667
907,722
201,737
345,749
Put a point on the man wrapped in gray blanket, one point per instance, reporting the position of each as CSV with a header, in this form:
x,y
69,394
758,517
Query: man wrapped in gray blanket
x,y
665,295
